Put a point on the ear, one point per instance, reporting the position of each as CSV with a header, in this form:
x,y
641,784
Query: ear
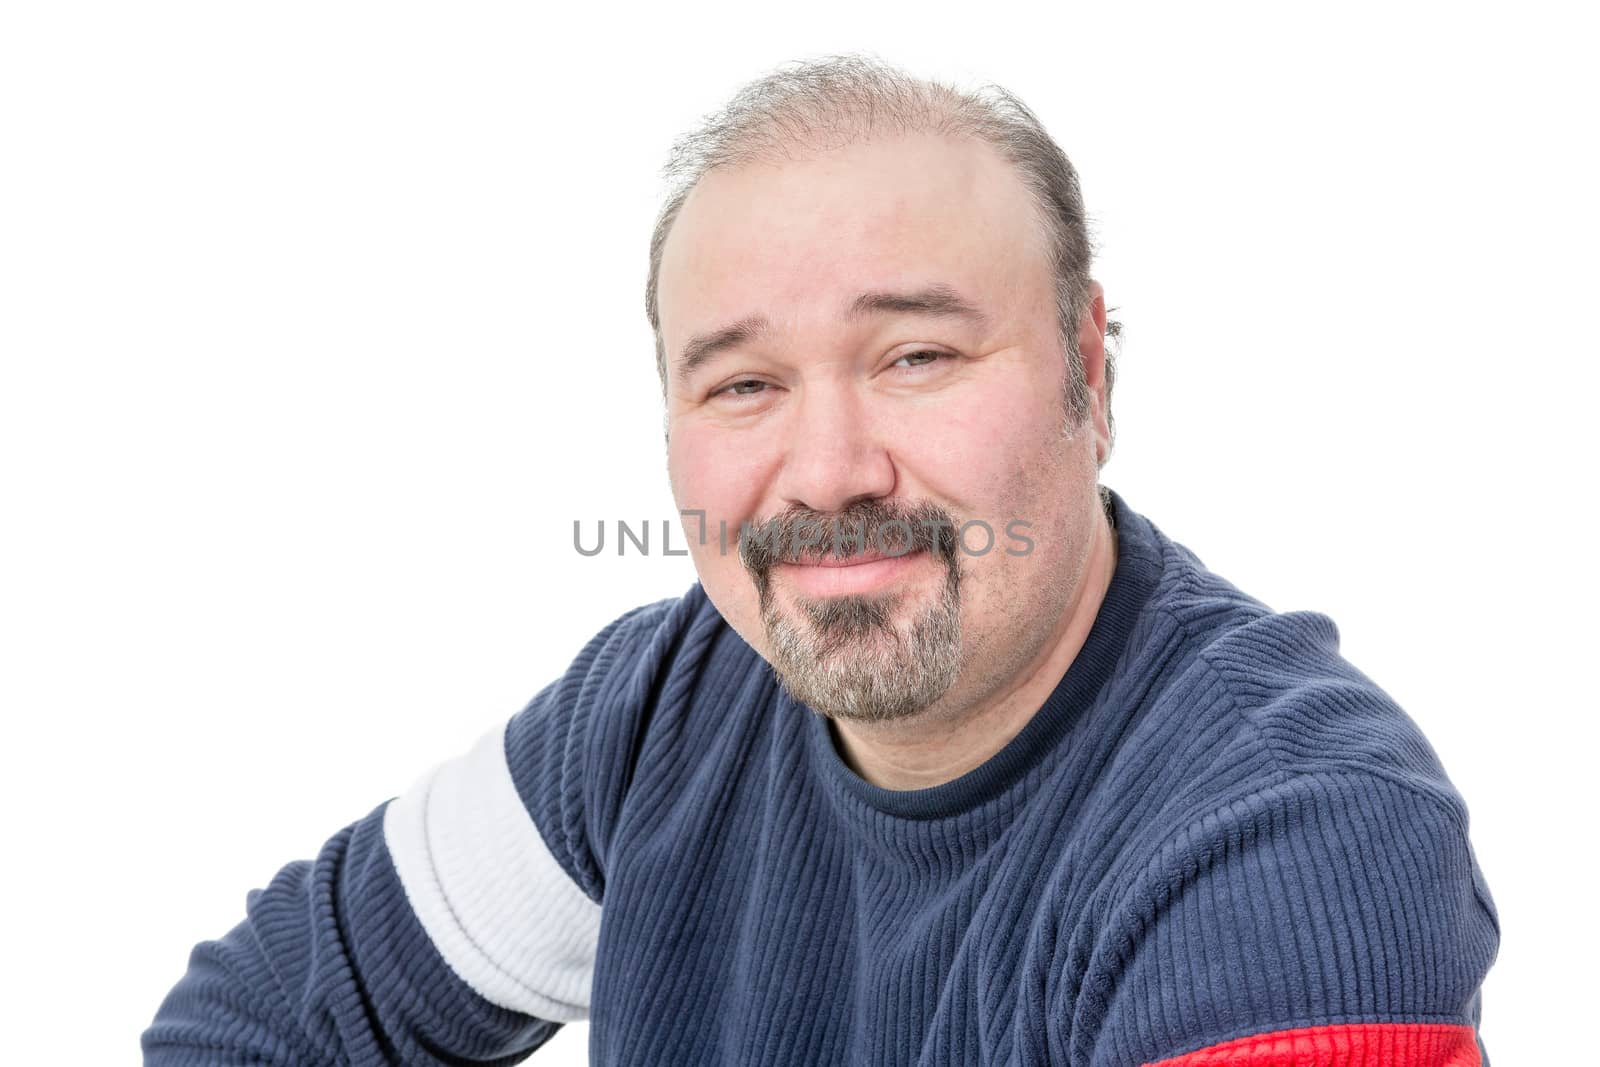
x,y
1092,350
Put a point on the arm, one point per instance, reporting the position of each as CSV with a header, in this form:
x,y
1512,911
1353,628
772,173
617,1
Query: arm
x,y
457,923
1333,920
331,965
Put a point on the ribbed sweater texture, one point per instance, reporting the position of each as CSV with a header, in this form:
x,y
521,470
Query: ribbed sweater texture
x,y
1216,842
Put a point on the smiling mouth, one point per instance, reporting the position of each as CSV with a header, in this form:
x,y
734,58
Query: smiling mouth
x,y
867,572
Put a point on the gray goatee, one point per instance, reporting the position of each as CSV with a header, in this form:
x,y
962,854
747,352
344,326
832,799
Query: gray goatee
x,y
850,657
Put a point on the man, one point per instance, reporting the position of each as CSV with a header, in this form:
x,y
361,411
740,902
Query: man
x,y
950,757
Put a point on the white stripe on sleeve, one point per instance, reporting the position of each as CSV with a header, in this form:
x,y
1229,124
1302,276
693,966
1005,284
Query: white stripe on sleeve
x,y
497,905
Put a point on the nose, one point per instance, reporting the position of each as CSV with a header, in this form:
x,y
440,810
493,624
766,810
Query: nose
x,y
834,455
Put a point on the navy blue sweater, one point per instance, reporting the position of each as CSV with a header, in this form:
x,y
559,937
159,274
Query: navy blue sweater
x,y
1216,843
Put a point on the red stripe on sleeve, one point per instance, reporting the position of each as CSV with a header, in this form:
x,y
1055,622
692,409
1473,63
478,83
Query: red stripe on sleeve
x,y
1352,1045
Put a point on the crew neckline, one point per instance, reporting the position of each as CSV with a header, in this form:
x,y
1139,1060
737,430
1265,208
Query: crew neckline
x,y
1137,570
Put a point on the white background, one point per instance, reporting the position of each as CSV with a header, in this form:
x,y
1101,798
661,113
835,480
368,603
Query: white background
x,y
322,322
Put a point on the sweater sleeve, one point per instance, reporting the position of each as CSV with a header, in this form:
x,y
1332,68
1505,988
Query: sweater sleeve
x,y
1331,920
456,923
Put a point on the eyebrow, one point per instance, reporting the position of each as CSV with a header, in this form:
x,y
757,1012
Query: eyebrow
x,y
932,300
939,299
704,348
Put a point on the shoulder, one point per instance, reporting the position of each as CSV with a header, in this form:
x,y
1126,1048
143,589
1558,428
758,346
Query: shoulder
x,y
645,641
1229,717
1268,695
1282,847
572,750
619,670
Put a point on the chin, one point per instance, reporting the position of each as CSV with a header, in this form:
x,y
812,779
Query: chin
x,y
875,658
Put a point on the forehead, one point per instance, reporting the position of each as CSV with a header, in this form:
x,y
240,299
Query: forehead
x,y
795,240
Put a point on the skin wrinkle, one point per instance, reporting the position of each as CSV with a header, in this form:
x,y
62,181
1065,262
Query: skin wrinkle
x,y
933,300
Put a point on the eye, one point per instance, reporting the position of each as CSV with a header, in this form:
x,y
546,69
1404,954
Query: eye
x,y
924,358
742,387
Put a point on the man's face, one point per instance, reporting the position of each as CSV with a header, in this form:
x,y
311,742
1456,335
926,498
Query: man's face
x,y
872,338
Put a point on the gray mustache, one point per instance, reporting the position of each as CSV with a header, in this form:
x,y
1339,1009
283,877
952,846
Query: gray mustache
x,y
798,534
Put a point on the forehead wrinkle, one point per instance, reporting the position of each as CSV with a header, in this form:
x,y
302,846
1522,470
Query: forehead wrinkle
x,y
938,299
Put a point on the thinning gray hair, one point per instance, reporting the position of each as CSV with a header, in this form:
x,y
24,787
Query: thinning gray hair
x,y
836,100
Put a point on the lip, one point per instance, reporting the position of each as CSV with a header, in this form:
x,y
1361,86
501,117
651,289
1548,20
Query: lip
x,y
864,573
861,559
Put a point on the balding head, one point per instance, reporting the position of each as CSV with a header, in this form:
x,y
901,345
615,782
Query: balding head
x,y
814,106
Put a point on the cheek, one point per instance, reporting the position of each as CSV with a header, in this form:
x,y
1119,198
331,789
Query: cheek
x,y
999,454
981,449
715,472
724,477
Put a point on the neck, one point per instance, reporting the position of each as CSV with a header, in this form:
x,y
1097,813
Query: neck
x,y
923,752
